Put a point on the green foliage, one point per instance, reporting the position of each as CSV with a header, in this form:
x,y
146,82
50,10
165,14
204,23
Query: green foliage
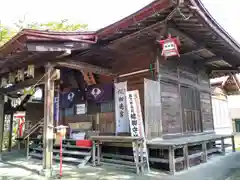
x,y
5,34
64,25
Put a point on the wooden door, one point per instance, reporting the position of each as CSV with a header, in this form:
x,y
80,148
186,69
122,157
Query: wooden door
x,y
190,109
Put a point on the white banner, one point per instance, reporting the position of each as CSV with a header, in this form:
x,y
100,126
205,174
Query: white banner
x,y
136,121
56,109
122,122
80,109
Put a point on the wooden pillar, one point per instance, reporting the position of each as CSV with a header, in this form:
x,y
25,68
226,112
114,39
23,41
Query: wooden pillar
x,y
137,155
94,153
141,157
99,150
1,124
185,154
171,153
157,66
233,144
222,146
48,121
10,133
204,149
97,122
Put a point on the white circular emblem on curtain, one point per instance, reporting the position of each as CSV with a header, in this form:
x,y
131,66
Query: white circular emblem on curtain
x,y
15,102
71,96
96,92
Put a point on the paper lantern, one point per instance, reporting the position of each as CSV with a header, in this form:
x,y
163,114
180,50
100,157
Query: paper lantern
x,y
61,130
170,47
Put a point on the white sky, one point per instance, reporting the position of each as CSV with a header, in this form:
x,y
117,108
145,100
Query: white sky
x,y
100,13
226,13
96,13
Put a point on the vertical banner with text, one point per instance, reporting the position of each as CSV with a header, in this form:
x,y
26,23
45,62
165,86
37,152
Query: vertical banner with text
x,y
136,121
122,122
56,109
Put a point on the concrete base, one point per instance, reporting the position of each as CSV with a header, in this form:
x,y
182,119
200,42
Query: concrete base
x,y
48,173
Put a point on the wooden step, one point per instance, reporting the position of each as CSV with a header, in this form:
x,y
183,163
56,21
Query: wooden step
x,y
118,156
66,143
73,146
57,158
119,166
80,153
115,161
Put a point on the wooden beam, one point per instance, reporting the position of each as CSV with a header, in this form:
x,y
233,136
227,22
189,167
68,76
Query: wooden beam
x,y
56,47
21,85
213,59
39,78
225,69
174,30
73,64
235,79
212,24
148,29
193,51
224,81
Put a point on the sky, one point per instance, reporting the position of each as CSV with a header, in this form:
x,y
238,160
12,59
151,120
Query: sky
x,y
100,13
96,13
226,13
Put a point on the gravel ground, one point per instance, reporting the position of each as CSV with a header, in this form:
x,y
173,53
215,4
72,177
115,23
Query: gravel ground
x,y
218,168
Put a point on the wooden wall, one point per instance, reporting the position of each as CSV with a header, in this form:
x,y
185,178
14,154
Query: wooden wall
x,y
34,112
185,93
133,62
186,98
182,87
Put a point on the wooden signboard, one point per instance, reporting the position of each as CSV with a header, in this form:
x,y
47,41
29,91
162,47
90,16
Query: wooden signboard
x,y
136,121
18,76
153,109
122,122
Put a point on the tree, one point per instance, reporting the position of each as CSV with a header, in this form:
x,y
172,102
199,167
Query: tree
x,y
5,34
64,25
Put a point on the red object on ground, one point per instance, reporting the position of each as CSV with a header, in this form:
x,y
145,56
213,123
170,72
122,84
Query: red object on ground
x,y
84,143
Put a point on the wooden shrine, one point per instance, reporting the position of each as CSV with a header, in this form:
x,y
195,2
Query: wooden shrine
x,y
167,51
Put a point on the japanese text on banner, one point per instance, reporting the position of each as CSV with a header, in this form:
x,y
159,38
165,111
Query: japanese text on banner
x,y
136,121
122,122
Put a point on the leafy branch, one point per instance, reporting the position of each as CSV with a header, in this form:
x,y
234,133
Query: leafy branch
x,y
64,25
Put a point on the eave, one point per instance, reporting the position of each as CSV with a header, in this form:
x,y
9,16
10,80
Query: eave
x,y
38,47
198,30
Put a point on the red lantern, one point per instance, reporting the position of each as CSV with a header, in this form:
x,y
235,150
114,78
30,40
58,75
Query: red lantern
x,y
170,47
